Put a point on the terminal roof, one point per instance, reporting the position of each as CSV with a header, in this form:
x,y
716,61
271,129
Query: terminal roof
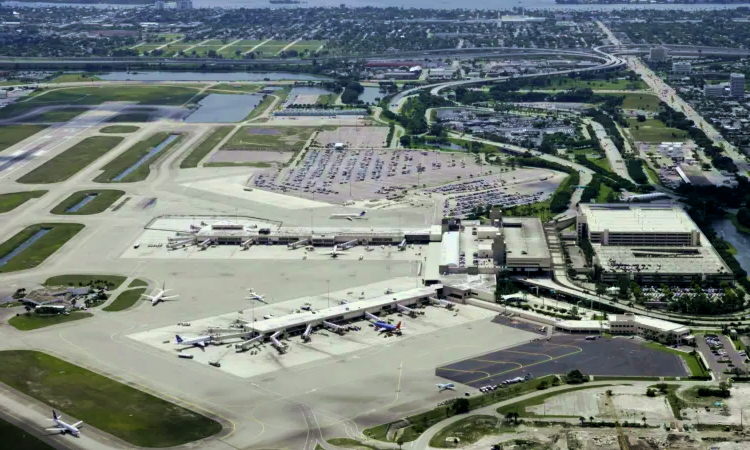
x,y
637,218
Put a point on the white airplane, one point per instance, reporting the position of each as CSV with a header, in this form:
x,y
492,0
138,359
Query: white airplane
x,y
159,296
254,296
349,216
446,386
63,427
335,252
200,341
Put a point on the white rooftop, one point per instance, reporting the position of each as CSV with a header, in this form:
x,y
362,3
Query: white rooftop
x,y
372,304
526,241
619,218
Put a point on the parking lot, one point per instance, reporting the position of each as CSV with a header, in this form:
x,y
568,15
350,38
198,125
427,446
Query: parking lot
x,y
720,353
339,175
561,354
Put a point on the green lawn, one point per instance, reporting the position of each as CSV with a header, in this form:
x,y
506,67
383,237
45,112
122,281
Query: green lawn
x,y
288,138
327,99
96,95
614,85
103,200
75,78
72,160
262,107
109,282
602,162
17,439
271,48
36,253
11,201
34,322
133,155
652,175
125,300
120,129
741,228
695,366
243,88
205,147
137,283
654,130
57,115
645,102
115,408
13,134
603,194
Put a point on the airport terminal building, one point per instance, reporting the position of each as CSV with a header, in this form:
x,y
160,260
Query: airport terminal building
x,y
649,244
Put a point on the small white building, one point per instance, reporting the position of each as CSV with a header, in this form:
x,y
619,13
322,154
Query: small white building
x,y
681,68
648,328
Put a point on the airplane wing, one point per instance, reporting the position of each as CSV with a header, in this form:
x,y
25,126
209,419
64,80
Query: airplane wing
x,y
151,297
78,424
350,219
171,297
53,429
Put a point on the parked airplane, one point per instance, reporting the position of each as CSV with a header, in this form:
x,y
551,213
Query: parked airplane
x,y
445,386
159,296
349,217
200,341
63,427
255,296
385,327
336,252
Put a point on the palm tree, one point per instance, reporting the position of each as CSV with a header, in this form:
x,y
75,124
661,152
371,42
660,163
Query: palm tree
x,y
582,419
591,418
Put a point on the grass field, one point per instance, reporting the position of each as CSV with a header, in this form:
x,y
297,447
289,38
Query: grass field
x,y
120,129
520,407
271,48
645,102
695,366
109,282
262,107
288,138
17,439
125,300
205,147
615,85
103,200
11,201
57,115
134,115
76,77
309,46
72,160
125,412
132,156
327,99
243,88
602,162
137,283
13,134
604,191
741,228
34,322
89,95
654,130
468,431
36,253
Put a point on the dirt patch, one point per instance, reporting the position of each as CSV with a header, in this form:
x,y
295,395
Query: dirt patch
x,y
263,131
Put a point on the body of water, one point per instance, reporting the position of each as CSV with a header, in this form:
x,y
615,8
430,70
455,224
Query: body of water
x,y
221,108
370,94
423,4
727,231
146,157
209,76
82,203
24,245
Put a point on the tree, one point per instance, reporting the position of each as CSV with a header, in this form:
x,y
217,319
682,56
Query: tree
x,y
405,141
542,385
582,419
460,406
650,392
400,442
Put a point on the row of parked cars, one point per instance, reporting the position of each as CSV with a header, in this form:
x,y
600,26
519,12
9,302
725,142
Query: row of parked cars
x,y
492,387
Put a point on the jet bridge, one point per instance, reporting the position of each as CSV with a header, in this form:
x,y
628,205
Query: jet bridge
x,y
348,245
402,246
333,327
444,303
410,312
306,334
249,343
281,347
298,244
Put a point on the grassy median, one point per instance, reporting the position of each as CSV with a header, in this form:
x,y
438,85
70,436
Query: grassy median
x,y
109,282
125,300
11,201
36,253
72,160
205,147
119,129
33,321
125,412
103,200
13,134
132,155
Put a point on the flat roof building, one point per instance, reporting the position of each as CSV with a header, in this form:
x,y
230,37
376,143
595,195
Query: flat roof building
x,y
525,244
649,243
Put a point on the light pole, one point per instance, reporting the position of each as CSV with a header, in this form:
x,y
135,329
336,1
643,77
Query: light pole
x,y
328,283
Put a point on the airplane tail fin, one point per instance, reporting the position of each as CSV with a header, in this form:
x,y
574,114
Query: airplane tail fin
x,y
54,414
362,214
398,326
178,339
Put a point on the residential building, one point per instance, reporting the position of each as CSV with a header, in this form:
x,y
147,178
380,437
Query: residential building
x,y
681,68
184,5
714,90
